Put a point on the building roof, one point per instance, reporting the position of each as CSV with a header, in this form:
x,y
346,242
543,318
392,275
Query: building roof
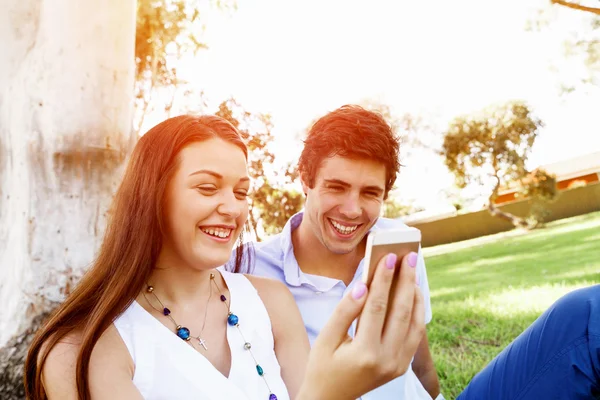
x,y
574,167
565,169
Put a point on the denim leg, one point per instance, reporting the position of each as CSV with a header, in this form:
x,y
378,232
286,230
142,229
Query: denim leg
x,y
557,357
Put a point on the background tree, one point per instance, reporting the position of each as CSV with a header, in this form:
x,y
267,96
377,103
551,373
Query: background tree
x,y
166,31
65,130
414,129
540,189
394,208
581,45
273,200
579,6
496,144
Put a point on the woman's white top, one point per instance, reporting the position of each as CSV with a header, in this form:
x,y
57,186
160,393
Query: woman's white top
x,y
166,367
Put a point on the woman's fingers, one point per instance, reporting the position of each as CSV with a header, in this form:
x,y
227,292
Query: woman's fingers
x,y
372,318
335,330
415,333
390,330
401,305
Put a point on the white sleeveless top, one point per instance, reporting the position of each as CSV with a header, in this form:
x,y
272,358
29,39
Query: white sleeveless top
x,y
167,367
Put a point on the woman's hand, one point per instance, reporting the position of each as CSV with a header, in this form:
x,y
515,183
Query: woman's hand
x,y
391,328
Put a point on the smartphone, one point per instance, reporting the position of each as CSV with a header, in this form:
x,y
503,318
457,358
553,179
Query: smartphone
x,y
384,241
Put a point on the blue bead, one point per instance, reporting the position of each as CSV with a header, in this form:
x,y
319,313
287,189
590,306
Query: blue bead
x,y
272,397
183,333
232,319
259,370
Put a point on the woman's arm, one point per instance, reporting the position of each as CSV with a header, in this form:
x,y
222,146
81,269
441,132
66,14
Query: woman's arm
x,y
291,341
110,371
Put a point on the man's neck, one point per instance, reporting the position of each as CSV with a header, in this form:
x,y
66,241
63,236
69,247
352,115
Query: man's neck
x,y
314,258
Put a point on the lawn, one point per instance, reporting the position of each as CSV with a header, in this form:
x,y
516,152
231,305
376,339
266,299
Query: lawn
x,y
486,291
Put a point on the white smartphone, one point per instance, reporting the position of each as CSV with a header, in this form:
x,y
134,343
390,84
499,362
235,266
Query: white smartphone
x,y
384,241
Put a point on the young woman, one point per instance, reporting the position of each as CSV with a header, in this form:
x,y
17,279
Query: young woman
x,y
153,318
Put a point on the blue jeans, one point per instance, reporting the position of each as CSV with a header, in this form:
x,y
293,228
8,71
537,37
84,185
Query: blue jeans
x,y
557,357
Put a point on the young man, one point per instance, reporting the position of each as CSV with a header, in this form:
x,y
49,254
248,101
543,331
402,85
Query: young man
x,y
348,165
347,168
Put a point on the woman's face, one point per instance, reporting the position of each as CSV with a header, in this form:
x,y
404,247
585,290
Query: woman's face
x,y
206,203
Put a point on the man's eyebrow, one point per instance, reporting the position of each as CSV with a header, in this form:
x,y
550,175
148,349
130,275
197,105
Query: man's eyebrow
x,y
337,182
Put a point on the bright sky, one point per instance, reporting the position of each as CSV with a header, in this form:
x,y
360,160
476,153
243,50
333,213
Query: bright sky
x,y
300,59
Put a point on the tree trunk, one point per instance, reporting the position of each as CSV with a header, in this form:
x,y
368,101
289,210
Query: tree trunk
x,y
66,97
516,221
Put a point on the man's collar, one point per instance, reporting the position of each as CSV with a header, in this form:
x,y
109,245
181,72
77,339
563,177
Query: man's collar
x,y
291,269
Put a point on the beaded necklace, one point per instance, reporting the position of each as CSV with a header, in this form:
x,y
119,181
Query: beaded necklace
x,y
232,320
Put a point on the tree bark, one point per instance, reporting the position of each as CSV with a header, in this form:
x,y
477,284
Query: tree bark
x,y
575,6
66,98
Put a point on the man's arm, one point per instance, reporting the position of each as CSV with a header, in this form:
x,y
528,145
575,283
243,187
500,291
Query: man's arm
x,y
424,368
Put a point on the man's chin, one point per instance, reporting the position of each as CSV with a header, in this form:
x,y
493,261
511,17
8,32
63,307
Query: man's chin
x,y
340,248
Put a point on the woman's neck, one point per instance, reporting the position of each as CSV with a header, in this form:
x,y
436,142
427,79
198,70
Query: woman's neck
x,y
179,284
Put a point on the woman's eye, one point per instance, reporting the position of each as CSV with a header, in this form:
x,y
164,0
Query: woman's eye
x,y
241,194
207,189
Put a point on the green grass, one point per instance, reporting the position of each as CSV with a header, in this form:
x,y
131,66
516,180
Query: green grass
x,y
486,291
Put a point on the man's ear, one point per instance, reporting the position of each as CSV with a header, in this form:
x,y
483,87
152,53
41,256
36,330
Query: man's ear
x,y
304,185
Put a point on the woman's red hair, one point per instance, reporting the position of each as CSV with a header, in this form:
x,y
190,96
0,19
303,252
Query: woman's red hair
x,y
130,248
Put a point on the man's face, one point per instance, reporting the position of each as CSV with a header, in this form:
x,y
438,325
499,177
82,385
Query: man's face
x,y
345,202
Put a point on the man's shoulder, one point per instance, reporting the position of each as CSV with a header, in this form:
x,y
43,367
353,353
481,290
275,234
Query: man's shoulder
x,y
269,246
268,257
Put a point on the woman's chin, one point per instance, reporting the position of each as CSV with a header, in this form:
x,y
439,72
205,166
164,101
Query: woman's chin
x,y
215,261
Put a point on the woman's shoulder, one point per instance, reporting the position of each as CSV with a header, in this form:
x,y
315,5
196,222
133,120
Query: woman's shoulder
x,y
60,366
58,370
270,289
278,301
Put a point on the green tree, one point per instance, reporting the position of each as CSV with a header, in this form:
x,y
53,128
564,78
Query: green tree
x,y
272,201
496,144
541,189
165,31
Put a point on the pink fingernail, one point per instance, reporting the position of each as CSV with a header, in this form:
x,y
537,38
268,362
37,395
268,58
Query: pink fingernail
x,y
390,261
412,259
359,290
